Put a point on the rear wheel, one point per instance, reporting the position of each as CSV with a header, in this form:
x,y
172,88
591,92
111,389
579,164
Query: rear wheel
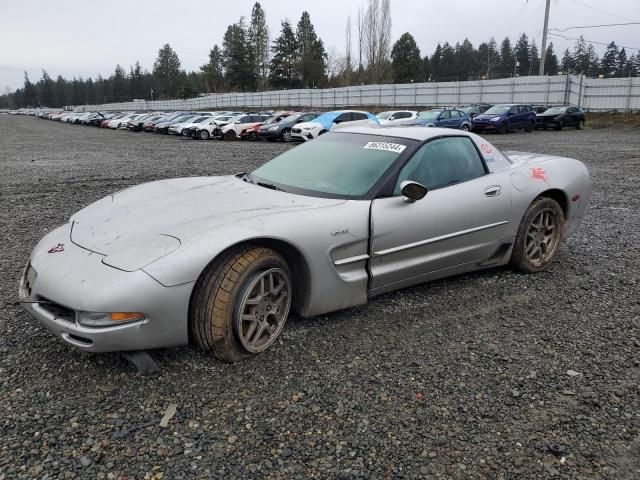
x,y
539,236
464,127
204,135
241,303
230,135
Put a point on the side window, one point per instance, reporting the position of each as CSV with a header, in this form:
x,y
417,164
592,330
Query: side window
x,y
306,118
358,116
513,110
572,110
442,162
455,114
344,117
446,115
400,115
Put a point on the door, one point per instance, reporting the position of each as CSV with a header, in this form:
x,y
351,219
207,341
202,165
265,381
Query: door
x,y
456,119
460,220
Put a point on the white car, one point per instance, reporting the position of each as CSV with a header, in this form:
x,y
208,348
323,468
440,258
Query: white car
x,y
121,122
395,116
232,130
176,128
330,120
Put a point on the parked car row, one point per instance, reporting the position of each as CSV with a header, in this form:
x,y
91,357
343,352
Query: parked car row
x,y
303,126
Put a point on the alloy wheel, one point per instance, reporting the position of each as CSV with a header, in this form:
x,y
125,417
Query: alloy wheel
x,y
263,310
543,237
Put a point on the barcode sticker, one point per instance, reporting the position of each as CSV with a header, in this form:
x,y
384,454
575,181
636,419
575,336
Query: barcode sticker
x,y
388,147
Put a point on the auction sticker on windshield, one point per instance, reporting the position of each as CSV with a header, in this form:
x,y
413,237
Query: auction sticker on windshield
x,y
389,147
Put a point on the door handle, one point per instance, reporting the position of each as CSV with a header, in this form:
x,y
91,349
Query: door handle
x,y
493,190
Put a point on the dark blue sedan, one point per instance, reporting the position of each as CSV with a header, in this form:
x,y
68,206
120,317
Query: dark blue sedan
x,y
449,118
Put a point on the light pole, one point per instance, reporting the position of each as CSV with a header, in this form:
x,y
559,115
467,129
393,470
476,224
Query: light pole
x,y
543,52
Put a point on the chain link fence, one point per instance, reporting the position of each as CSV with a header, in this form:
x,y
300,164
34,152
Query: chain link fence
x,y
592,94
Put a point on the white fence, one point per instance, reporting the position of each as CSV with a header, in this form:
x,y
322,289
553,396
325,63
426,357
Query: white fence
x,y
592,94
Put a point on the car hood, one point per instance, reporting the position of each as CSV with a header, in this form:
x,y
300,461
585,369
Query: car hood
x,y
154,218
310,125
544,114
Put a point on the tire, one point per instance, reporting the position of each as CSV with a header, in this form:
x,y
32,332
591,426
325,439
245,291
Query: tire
x,y
230,135
580,125
559,126
253,136
542,224
203,135
286,135
530,127
464,127
215,318
502,129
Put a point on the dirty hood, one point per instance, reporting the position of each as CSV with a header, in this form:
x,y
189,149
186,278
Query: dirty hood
x,y
143,223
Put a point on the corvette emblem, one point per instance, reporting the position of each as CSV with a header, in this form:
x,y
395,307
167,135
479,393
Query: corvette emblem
x,y
57,249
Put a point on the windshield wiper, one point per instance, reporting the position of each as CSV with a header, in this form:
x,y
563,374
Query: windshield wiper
x,y
270,185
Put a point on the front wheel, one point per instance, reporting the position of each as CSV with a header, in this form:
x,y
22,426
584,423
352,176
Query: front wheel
x,y
502,129
580,125
530,127
241,303
204,135
230,135
464,127
286,135
539,236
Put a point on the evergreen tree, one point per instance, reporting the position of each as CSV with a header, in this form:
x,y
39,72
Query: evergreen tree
x,y
634,65
259,45
29,93
622,66
435,63
487,59
534,59
46,91
567,64
465,60
522,52
609,62
166,70
312,62
551,66
136,82
448,64
61,92
406,63
236,54
284,63
89,91
426,68
214,71
119,87
77,91
507,59
580,57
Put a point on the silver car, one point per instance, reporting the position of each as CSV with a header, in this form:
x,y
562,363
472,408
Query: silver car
x,y
325,226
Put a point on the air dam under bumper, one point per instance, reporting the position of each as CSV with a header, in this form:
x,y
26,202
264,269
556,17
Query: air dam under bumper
x,y
76,280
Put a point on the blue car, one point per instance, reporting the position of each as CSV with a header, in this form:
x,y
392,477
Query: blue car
x,y
325,122
506,117
449,118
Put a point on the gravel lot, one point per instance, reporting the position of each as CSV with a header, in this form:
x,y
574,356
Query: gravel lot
x,y
460,378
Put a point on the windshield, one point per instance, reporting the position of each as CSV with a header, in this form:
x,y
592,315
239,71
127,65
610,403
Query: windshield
x,y
384,115
466,109
498,110
335,164
556,110
429,114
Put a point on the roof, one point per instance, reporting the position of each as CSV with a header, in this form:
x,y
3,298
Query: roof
x,y
413,133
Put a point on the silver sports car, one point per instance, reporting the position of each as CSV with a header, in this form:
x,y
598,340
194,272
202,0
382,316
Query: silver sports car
x,y
327,225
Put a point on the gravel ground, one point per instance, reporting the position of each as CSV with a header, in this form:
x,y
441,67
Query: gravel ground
x,y
460,378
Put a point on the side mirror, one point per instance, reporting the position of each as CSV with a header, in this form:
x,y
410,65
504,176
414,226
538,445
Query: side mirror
x,y
237,122
412,191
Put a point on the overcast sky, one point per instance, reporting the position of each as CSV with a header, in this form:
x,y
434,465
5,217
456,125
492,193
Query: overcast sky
x,y
87,38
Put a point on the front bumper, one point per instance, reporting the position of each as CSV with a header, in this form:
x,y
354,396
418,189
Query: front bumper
x,y
267,135
56,287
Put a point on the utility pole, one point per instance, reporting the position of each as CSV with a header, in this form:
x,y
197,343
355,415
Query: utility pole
x,y
543,53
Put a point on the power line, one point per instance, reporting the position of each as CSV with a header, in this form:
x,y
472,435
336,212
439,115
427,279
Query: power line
x,y
595,26
518,17
591,41
601,11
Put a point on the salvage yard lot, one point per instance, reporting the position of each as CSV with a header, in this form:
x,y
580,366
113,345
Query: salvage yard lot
x,y
460,378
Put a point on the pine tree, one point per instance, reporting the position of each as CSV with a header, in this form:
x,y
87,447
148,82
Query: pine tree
x,y
313,58
507,59
435,63
166,70
214,71
622,65
284,63
567,64
29,93
609,63
448,64
258,37
426,68
406,62
119,86
136,82
487,59
46,91
534,59
551,66
237,59
465,60
61,92
522,52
